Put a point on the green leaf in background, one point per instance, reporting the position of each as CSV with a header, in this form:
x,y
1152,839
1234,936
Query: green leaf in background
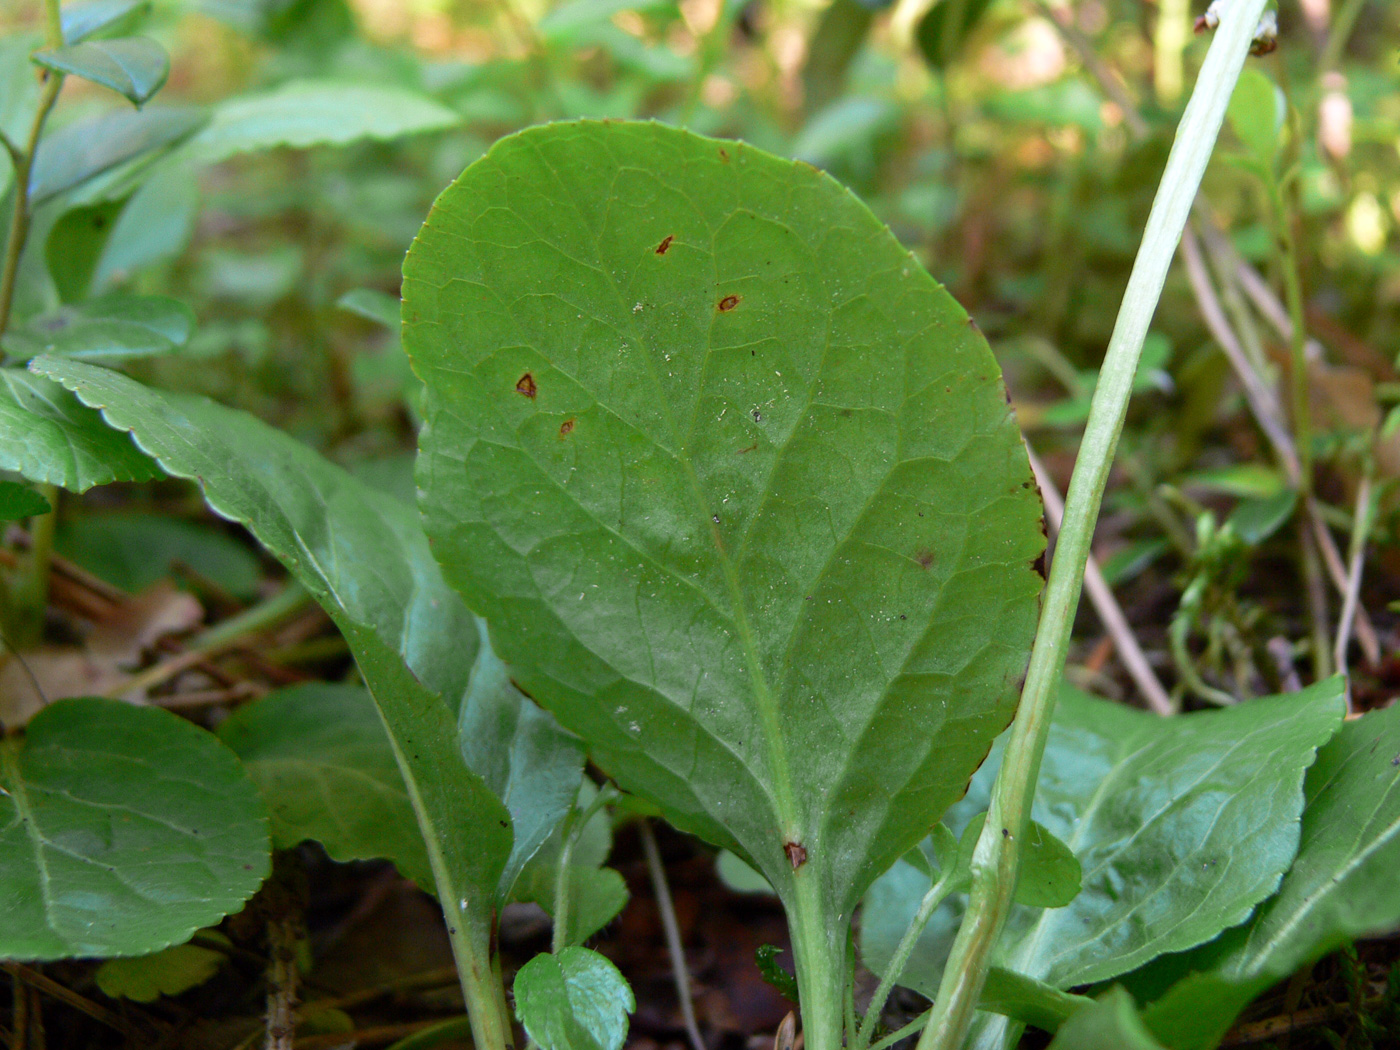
x,y
738,877
693,414
1182,825
307,113
134,66
320,756
1256,518
364,557
765,957
155,225
20,501
1027,1000
84,149
75,245
1050,873
575,1000
1341,886
170,971
115,327
131,550
532,765
90,17
1109,1023
840,34
1256,115
51,438
122,830
373,305
942,33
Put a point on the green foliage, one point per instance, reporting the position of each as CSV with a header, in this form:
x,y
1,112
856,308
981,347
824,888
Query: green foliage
x,y
575,1000
20,501
320,757
115,327
134,66
89,797
169,971
1111,1023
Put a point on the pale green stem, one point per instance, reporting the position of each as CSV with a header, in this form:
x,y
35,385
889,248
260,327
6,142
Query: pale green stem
x,y
1339,34
574,824
33,594
996,860
819,955
894,969
1173,30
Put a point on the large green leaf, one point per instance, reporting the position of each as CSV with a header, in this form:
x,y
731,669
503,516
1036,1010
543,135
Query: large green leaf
x,y
1182,826
134,66
111,328
319,755
90,17
122,830
532,765
575,1000
363,556
1110,1023
307,113
1341,886
80,151
48,436
735,483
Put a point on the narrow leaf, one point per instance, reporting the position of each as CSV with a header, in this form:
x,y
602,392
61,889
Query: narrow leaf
x,y
307,113
122,830
79,151
134,66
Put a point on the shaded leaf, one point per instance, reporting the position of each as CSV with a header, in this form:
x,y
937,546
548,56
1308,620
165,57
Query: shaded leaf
x,y
79,151
75,244
373,305
1109,1023
1027,1000
122,830
738,876
1050,873
942,33
307,113
134,66
694,413
155,225
90,17
20,501
48,436
115,327
766,958
1256,114
1341,886
532,765
170,971
320,756
1181,825
575,1000
363,556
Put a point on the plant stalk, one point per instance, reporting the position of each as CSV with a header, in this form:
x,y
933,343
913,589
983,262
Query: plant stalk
x,y
818,953
996,860
23,161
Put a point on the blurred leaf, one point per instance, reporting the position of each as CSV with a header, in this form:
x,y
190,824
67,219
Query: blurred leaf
x,y
132,551
738,876
1341,886
90,17
561,21
77,152
1182,825
134,66
838,38
532,765
75,245
51,438
1109,1023
1256,114
19,94
307,113
942,33
155,225
20,501
145,978
123,829
575,1000
373,305
1256,518
766,958
846,127
1128,562
320,757
1246,480
1068,102
114,327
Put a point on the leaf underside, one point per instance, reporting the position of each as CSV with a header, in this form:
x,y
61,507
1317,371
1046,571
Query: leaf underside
x,y
734,481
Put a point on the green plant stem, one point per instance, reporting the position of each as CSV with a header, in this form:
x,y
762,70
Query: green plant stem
x,y
996,860
33,593
819,955
1339,33
574,824
23,161
894,969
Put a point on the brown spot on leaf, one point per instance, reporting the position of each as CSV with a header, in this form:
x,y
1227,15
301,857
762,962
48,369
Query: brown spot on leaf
x,y
565,428
796,854
924,558
665,246
728,303
749,449
526,385
724,155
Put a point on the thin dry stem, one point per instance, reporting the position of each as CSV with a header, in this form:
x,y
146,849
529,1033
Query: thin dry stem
x,y
674,948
